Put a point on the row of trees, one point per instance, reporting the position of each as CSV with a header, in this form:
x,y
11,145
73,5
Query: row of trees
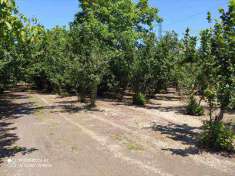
x,y
110,47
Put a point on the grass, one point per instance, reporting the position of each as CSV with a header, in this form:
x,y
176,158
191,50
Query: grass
x,y
134,146
130,144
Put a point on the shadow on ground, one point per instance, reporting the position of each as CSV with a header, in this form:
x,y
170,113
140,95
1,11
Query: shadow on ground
x,y
67,106
184,133
188,136
73,107
9,111
167,97
177,109
153,104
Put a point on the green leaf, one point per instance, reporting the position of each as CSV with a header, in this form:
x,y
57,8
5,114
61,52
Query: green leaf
x,y
9,26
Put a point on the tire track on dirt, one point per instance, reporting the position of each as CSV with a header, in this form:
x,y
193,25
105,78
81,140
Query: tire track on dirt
x,y
208,160
114,149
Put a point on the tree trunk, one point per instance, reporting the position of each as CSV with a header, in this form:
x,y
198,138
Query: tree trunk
x,y
93,94
220,116
82,95
121,93
1,90
178,90
200,101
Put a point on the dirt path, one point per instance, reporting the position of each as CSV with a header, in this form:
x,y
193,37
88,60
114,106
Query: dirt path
x,y
53,136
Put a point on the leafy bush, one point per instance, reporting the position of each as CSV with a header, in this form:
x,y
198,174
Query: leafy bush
x,y
217,137
139,99
193,108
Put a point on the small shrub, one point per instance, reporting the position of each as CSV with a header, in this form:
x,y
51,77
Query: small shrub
x,y
139,99
193,108
217,137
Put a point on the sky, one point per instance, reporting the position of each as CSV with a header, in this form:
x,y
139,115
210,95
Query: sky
x,y
177,14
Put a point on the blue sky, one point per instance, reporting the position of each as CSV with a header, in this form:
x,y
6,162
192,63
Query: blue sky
x,y
177,14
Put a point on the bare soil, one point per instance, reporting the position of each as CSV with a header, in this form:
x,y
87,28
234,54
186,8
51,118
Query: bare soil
x,y
50,135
